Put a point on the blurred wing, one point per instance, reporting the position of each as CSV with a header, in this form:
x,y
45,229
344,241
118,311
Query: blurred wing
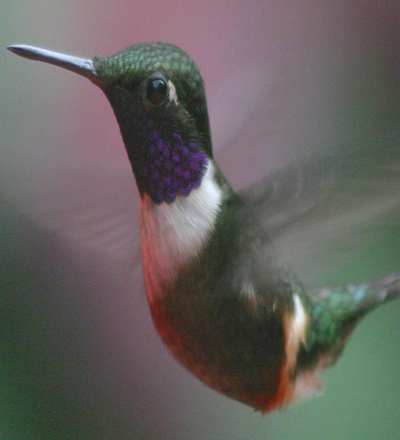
x,y
89,209
335,216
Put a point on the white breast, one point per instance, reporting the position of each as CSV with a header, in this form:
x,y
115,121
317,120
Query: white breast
x,y
173,234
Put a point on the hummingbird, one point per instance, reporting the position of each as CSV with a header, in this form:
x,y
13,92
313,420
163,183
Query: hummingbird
x,y
223,293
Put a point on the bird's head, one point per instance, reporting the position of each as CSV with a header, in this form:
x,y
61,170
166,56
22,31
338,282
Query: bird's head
x,y
157,94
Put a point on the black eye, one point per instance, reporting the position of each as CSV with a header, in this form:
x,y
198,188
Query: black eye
x,y
157,90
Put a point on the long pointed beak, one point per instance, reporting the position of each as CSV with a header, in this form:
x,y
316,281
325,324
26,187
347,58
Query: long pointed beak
x,y
81,66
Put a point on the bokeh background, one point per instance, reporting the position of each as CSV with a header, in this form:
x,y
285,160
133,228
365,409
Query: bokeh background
x,y
79,358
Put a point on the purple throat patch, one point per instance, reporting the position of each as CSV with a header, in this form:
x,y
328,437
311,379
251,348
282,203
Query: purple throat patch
x,y
173,168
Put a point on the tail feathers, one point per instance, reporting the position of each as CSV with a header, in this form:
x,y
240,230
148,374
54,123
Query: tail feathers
x,y
386,289
367,297
354,300
334,311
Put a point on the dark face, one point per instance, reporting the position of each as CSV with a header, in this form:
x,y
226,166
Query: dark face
x,y
157,95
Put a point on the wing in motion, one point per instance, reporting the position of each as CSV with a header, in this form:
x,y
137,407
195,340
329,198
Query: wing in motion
x,y
335,216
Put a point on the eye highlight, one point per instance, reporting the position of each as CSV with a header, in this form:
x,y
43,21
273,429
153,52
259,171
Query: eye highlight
x,y
157,90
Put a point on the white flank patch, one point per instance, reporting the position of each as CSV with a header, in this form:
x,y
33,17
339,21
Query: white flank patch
x,y
248,291
299,322
296,327
173,234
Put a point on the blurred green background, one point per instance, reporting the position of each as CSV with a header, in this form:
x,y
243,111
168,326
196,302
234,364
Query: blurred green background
x,y
79,356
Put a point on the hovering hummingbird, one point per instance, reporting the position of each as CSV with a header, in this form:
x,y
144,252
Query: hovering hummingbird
x,y
216,262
